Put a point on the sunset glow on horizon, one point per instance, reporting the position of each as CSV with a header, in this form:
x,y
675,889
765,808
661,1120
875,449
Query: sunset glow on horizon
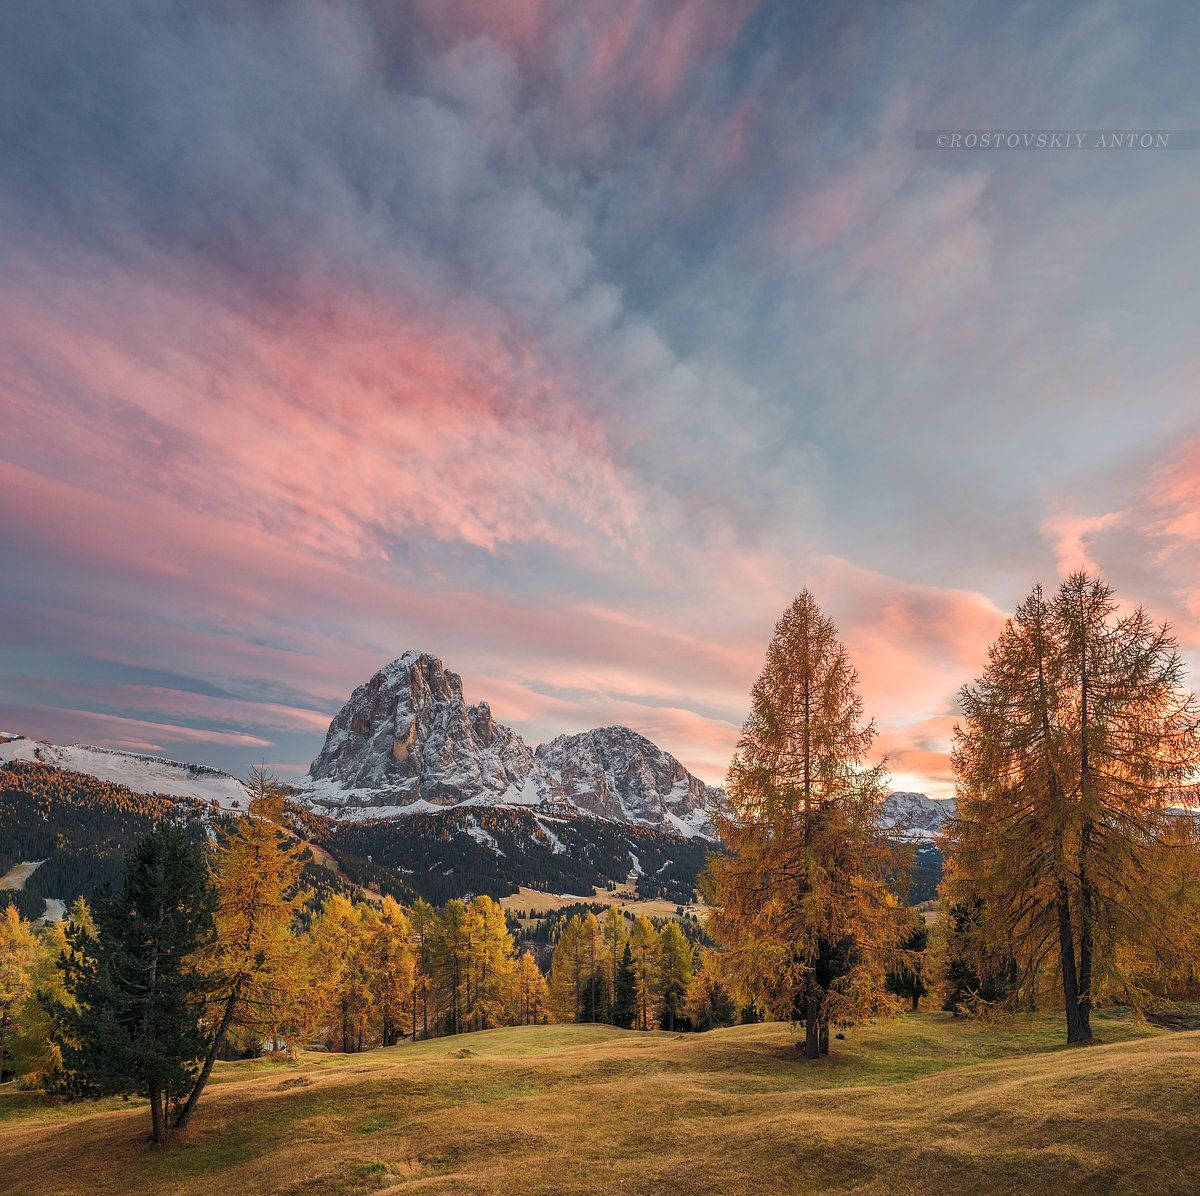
x,y
569,348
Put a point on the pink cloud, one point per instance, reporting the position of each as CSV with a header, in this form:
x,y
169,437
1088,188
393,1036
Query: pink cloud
x,y
684,682
914,645
1149,549
636,53
1070,535
60,725
338,425
176,703
918,754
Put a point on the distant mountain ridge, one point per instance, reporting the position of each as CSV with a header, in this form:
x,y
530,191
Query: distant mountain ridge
x,y
137,772
571,815
915,816
406,742
413,778
611,773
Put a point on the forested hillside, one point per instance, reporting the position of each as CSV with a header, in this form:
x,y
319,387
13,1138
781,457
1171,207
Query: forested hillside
x,y
81,827
494,851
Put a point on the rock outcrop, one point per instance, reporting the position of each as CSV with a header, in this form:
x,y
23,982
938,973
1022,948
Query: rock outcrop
x,y
406,741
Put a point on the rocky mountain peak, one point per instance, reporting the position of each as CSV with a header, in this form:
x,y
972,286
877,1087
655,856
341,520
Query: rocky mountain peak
x,y
407,734
616,773
915,815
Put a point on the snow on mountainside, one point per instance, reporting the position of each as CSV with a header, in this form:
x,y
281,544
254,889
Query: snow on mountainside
x,y
407,742
406,734
141,774
616,773
915,815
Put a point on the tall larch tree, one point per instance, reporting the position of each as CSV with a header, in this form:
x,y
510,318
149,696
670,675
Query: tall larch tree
x,y
804,914
676,967
569,976
390,968
491,964
614,934
421,918
18,949
1072,747
644,957
531,994
592,947
255,959
451,962
338,966
38,1021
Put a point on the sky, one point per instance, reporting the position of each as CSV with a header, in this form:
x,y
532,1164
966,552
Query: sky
x,y
568,342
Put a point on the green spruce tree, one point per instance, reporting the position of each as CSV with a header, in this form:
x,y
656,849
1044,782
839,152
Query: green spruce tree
x,y
136,1030
625,990
908,979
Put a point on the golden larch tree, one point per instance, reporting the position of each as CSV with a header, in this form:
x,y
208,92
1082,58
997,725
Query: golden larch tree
x,y
390,968
614,934
569,976
531,994
255,956
804,912
644,947
1073,747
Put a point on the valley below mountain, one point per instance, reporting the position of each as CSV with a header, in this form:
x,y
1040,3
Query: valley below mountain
x,y
414,793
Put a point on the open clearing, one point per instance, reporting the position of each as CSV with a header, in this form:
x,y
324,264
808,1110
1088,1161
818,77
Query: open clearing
x,y
538,902
18,874
924,1104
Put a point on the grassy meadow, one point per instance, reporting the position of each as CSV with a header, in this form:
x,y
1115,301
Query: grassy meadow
x,y
922,1104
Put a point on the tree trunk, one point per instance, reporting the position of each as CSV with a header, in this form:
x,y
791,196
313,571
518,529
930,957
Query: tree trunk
x,y
812,1007
1077,1029
184,1114
916,1001
1085,935
1085,890
158,1114
823,1039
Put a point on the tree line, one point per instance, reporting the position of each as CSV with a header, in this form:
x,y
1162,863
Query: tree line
x,y
1073,878
199,953
1072,865
636,976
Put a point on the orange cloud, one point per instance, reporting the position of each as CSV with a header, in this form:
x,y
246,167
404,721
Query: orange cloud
x,y
914,645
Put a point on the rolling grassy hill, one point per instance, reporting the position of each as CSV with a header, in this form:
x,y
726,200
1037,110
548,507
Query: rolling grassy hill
x,y
924,1104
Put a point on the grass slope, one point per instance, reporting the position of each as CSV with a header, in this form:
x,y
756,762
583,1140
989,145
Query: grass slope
x,y
925,1104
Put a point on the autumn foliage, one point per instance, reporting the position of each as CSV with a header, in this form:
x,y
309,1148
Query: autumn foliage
x,y
805,916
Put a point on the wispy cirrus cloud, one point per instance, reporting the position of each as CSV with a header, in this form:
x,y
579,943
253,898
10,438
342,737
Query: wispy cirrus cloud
x,y
570,344
59,724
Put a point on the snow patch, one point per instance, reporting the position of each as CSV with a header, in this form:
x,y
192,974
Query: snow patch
x,y
485,838
141,774
557,846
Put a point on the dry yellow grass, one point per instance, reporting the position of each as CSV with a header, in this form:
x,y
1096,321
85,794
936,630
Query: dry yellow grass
x,y
925,1104
539,902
